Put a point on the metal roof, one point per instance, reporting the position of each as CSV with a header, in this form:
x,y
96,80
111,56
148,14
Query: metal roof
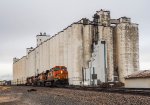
x,y
139,74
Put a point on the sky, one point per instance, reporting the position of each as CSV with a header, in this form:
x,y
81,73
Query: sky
x,y
22,20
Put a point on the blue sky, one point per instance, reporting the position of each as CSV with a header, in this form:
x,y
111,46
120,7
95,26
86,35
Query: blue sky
x,y
22,20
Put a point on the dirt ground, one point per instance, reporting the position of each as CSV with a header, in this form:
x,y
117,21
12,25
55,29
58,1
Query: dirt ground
x,y
19,95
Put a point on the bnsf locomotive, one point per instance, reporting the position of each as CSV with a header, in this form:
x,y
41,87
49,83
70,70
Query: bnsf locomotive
x,y
58,75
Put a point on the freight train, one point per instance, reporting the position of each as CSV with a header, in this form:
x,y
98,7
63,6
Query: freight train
x,y
58,75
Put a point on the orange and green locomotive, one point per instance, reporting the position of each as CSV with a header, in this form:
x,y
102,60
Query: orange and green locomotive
x,y
58,75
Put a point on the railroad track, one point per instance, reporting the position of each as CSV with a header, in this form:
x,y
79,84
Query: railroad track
x,y
134,91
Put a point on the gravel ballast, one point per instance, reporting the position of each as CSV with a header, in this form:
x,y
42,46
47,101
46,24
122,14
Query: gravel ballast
x,y
25,95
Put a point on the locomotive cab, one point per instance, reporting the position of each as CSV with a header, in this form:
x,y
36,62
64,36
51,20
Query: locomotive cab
x,y
60,72
58,75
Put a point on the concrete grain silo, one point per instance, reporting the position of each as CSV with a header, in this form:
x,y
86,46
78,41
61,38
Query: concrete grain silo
x,y
105,48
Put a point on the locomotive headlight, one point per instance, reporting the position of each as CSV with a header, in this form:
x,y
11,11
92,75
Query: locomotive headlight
x,y
61,72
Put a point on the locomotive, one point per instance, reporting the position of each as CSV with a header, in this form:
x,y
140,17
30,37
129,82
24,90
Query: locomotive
x,y
58,75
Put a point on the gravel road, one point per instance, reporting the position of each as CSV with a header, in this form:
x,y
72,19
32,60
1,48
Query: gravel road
x,y
19,95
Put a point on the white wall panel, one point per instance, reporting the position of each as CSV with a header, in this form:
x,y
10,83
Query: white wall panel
x,y
52,50
65,41
46,56
137,83
41,58
31,63
77,53
57,49
19,73
70,55
61,49
37,59
50,53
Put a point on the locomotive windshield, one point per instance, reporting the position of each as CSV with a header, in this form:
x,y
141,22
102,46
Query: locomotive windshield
x,y
63,68
56,68
59,68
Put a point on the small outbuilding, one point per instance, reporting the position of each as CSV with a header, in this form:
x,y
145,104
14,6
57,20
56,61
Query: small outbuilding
x,y
139,79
